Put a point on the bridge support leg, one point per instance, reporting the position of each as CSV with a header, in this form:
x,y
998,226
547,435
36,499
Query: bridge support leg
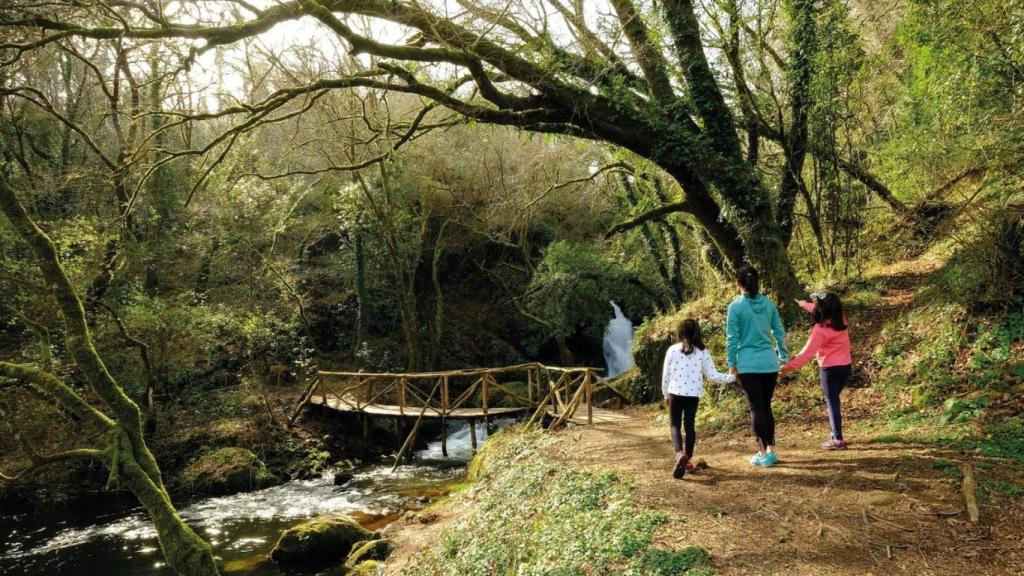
x,y
412,440
472,434
366,427
444,437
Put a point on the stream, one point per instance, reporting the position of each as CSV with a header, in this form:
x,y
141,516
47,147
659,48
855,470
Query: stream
x,y
242,528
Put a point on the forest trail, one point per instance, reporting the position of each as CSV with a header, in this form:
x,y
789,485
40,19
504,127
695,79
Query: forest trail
x,y
876,508
872,509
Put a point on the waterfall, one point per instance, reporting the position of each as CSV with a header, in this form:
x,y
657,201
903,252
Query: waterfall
x,y
460,443
618,343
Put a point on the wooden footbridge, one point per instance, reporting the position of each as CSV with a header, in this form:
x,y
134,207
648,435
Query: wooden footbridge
x,y
548,394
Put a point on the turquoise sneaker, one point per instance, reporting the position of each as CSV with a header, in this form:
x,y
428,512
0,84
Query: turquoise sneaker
x,y
757,460
769,460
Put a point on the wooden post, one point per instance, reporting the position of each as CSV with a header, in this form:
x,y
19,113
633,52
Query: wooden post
x,y
472,433
401,396
483,381
486,419
529,385
277,371
444,396
369,392
323,389
590,397
967,488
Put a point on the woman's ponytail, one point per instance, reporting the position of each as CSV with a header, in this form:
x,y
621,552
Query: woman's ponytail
x,y
748,279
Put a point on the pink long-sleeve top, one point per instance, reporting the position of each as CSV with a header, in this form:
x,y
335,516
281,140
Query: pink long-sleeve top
x,y
831,347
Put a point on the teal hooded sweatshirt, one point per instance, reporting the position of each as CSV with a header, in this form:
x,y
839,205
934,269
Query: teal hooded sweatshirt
x,y
750,324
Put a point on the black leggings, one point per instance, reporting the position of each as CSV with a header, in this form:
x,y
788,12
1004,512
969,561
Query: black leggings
x,y
683,409
760,387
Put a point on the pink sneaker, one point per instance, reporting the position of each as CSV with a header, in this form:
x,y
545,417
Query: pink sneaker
x,y
682,465
833,444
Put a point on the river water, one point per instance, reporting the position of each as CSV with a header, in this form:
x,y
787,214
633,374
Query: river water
x,y
242,528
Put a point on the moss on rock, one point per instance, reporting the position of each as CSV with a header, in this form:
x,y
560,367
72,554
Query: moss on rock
x,y
324,539
227,471
370,550
368,568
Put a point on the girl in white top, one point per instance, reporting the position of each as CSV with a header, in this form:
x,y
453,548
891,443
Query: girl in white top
x,y
687,364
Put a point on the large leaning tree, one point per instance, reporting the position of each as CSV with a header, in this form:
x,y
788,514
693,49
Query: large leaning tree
x,y
642,76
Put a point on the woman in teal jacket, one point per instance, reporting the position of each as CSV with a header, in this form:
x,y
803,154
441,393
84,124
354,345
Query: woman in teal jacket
x,y
751,353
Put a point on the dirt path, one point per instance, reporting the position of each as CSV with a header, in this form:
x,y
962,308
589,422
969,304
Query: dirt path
x,y
877,509
872,509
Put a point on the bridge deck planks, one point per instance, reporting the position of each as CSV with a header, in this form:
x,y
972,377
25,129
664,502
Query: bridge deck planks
x,y
414,411
580,417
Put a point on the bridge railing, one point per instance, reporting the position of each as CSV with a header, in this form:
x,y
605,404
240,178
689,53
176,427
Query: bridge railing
x,y
559,391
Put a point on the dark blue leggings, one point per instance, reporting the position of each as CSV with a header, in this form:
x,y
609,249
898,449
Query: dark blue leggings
x,y
683,410
833,380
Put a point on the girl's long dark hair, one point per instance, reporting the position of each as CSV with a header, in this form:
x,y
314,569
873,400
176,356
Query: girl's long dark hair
x,y
828,311
689,336
748,278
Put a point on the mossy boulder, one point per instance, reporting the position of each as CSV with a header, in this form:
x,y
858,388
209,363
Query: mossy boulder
x,y
368,568
322,540
370,550
227,471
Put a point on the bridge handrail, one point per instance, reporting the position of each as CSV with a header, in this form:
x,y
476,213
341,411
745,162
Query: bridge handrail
x,y
462,372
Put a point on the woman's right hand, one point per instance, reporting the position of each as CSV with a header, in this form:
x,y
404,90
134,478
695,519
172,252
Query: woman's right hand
x,y
667,402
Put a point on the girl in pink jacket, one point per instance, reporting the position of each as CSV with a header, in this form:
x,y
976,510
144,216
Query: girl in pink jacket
x,y
829,342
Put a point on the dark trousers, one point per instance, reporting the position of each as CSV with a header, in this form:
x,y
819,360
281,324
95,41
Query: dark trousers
x,y
833,380
760,387
683,409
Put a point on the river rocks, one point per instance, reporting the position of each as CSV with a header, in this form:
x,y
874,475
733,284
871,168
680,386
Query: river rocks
x,y
227,471
342,478
370,550
322,540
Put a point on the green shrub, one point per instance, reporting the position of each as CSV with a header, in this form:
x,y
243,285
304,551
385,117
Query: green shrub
x,y
987,268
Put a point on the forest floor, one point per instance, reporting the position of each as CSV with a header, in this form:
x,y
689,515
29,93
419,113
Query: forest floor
x,y
880,507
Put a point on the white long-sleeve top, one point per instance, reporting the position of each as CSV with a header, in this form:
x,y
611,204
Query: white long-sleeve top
x,y
684,374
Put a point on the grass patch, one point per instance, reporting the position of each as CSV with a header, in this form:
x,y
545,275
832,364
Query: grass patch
x,y
993,491
1003,440
528,516
946,468
692,561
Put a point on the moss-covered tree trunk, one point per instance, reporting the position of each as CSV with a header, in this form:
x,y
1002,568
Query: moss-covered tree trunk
x,y
131,463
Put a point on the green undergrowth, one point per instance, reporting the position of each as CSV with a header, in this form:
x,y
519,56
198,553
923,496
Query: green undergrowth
x,y
980,436
527,515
